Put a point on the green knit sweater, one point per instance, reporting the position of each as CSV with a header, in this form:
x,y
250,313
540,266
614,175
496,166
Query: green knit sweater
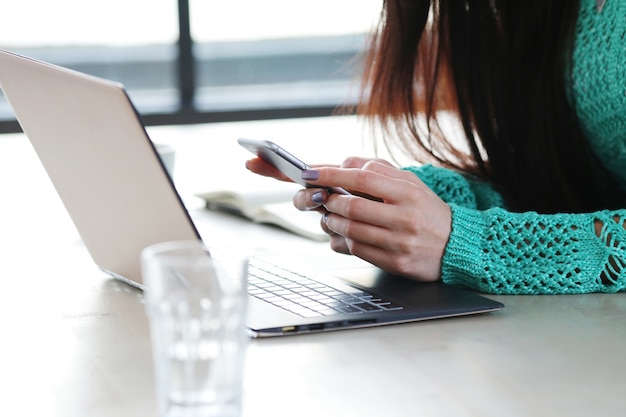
x,y
496,251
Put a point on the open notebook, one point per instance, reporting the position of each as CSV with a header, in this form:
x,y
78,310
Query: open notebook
x,y
268,206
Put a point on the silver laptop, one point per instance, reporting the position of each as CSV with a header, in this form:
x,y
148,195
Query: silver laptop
x,y
112,182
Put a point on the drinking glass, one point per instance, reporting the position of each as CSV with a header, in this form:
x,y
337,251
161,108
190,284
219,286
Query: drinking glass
x,y
195,300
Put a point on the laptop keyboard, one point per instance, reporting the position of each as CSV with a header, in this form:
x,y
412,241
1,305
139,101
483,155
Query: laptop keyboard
x,y
305,296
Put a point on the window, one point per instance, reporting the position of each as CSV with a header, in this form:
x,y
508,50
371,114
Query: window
x,y
202,60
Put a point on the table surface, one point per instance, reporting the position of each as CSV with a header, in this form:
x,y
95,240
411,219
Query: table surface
x,y
76,342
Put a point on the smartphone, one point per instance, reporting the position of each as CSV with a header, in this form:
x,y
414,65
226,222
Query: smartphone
x,y
282,160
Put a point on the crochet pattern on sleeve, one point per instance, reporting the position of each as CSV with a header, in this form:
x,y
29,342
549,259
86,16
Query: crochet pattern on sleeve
x,y
454,188
495,251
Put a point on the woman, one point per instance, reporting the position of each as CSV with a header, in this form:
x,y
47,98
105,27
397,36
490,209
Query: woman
x,y
534,201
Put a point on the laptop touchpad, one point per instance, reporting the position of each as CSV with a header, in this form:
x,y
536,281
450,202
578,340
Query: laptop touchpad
x,y
406,291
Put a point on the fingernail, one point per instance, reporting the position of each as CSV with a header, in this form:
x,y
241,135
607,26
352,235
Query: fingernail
x,y
318,197
310,174
325,217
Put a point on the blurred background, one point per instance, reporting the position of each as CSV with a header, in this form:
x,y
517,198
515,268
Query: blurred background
x,y
190,61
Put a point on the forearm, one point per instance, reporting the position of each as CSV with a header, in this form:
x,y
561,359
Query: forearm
x,y
497,251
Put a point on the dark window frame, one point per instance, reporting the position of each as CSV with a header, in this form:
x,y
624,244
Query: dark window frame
x,y
187,111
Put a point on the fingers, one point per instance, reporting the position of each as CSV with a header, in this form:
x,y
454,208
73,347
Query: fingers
x,y
364,233
359,162
314,199
260,167
337,242
374,178
354,207
310,198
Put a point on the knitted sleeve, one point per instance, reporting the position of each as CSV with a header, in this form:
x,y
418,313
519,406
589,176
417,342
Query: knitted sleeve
x,y
496,251
454,188
500,252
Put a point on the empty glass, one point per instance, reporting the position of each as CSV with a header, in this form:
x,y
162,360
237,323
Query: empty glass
x,y
196,304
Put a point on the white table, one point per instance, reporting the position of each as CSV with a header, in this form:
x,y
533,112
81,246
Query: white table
x,y
76,343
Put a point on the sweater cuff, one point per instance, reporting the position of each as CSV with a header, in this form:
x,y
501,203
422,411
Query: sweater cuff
x,y
462,262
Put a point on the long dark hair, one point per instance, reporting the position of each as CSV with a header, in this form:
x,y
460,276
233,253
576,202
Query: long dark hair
x,y
503,68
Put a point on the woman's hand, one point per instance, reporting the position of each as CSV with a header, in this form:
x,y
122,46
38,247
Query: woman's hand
x,y
260,167
405,233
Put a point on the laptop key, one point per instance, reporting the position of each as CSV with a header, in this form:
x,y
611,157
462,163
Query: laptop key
x,y
367,307
390,306
349,309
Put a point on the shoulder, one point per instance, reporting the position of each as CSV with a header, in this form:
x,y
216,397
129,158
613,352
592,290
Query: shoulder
x,y
599,79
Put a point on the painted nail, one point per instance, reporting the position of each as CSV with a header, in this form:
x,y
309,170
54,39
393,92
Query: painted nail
x,y
318,197
310,174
